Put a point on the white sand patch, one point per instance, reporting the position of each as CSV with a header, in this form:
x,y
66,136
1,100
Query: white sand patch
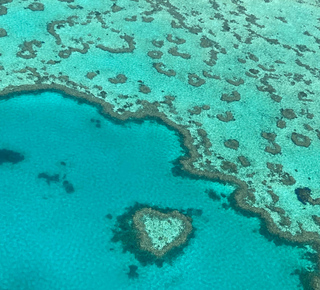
x,y
162,232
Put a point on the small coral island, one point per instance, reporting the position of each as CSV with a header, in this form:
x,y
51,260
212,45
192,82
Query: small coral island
x,y
152,234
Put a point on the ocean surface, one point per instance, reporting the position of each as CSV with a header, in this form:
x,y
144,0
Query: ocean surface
x,y
79,167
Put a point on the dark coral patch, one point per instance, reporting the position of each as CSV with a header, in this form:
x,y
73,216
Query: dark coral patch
x,y
229,167
155,54
159,67
119,79
144,89
213,195
127,38
269,136
213,57
238,82
91,75
147,19
175,40
68,187
211,76
132,274
288,113
303,194
3,10
234,96
253,57
131,19
206,42
109,216
232,144
96,122
49,178
115,8
274,149
281,124
254,71
192,212
157,43
225,206
300,140
196,110
195,80
174,51
276,98
227,117
10,156
287,179
36,6
27,49
275,168
3,32
244,161
302,96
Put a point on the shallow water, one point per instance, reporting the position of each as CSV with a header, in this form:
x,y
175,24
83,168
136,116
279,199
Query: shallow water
x,y
51,239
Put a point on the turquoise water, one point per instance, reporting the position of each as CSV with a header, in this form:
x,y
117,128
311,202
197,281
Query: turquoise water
x,y
51,239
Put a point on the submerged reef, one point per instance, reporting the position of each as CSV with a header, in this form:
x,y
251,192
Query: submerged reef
x,y
56,178
9,156
240,86
153,234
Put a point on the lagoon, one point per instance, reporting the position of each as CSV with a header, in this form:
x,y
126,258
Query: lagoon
x,y
55,238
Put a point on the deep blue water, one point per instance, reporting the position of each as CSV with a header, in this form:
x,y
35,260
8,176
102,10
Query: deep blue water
x,y
51,239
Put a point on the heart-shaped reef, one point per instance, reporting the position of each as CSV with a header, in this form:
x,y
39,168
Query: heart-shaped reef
x,y
153,234
160,232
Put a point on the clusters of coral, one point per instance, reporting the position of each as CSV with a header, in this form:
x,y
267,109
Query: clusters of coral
x,y
237,79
